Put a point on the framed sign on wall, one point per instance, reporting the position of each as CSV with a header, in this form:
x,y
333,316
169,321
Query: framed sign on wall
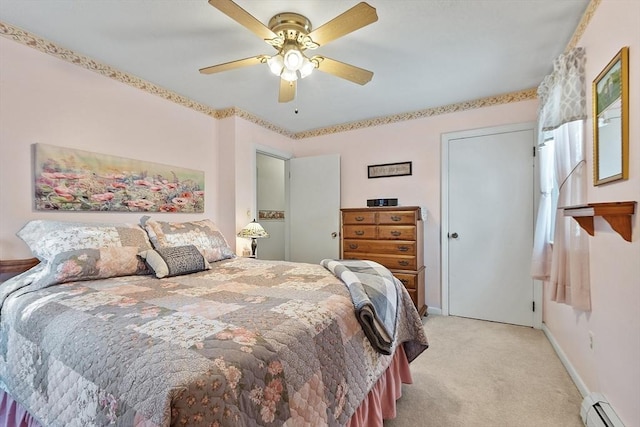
x,y
389,169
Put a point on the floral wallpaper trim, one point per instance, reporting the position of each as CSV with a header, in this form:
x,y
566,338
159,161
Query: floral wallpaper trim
x,y
582,25
237,112
273,215
435,111
45,46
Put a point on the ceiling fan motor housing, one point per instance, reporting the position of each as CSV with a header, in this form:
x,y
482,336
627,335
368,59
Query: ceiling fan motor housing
x,y
291,26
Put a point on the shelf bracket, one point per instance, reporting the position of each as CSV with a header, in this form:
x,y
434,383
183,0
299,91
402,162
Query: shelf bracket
x,y
617,214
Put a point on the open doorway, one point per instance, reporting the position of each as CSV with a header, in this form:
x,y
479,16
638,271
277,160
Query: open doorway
x,y
271,205
291,194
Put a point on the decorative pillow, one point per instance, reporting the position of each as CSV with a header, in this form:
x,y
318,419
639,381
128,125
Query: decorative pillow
x,y
88,264
46,238
174,261
204,234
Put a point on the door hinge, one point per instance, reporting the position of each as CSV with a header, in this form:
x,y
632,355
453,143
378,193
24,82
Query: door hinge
x,y
534,151
533,306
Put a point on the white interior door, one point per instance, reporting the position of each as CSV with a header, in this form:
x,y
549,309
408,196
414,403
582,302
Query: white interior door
x,y
314,208
490,226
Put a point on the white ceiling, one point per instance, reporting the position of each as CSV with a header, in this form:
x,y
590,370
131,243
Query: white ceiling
x,y
424,53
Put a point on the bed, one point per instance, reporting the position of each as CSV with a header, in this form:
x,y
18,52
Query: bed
x,y
159,324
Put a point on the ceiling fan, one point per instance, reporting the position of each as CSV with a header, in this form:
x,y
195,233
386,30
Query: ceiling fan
x,y
291,34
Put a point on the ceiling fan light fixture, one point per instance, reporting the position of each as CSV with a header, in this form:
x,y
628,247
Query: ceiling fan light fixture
x,y
291,34
289,75
276,64
293,58
307,67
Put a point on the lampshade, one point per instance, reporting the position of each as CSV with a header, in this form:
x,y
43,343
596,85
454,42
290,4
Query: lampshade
x,y
253,230
307,67
292,59
289,75
276,64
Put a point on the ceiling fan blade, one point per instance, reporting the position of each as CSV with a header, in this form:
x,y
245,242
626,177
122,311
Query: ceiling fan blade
x,y
343,70
353,19
287,91
232,65
243,18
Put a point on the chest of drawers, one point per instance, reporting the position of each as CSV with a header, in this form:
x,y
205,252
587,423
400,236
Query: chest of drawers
x,y
391,236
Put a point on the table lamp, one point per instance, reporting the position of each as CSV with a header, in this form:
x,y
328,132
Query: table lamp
x,y
253,231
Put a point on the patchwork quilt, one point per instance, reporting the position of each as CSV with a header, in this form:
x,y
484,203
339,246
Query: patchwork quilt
x,y
245,343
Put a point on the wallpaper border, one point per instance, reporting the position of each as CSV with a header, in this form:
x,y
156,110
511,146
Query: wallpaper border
x,y
48,47
582,25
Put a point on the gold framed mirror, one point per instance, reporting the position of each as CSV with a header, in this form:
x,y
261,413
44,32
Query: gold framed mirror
x,y
611,121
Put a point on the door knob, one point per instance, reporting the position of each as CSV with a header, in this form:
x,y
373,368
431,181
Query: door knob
x,y
334,235
453,235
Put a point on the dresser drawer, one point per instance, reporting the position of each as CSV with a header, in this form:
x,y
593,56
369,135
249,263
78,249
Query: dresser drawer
x,y
384,247
358,217
396,217
392,262
397,232
359,231
408,280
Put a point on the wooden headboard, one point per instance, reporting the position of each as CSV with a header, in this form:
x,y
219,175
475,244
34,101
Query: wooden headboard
x,y
12,267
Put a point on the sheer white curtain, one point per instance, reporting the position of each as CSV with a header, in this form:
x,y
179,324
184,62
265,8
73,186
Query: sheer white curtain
x,y
541,261
563,259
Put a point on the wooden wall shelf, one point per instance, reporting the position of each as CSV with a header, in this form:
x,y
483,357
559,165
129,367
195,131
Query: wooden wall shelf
x,y
617,214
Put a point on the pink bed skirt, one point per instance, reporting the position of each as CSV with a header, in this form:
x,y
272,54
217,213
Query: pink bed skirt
x,y
379,405
13,415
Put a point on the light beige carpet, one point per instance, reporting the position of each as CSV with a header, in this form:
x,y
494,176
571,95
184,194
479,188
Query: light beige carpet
x,y
478,373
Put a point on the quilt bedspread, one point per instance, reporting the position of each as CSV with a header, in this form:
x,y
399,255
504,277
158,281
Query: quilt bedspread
x,y
246,343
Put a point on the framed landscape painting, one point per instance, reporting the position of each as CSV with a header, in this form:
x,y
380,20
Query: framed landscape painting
x,y
67,179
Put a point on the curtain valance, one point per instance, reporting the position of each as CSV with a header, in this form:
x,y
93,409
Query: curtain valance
x,y
562,93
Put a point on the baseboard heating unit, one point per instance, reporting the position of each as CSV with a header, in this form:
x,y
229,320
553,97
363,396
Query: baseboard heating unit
x,y
596,412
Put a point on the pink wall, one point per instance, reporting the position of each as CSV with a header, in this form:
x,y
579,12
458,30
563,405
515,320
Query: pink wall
x,y
239,140
417,141
613,366
50,101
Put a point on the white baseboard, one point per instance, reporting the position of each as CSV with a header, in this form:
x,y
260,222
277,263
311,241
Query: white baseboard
x,y
582,388
434,310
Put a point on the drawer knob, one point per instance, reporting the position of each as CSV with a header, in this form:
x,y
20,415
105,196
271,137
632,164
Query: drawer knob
x,y
353,246
403,248
396,233
403,263
396,218
359,218
405,282
359,233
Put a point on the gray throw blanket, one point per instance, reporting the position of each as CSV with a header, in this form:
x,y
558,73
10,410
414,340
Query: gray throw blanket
x,y
375,298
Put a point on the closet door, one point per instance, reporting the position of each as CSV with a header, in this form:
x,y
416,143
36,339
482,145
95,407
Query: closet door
x,y
490,226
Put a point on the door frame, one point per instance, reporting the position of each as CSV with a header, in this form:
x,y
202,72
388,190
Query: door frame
x,y
444,208
278,154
